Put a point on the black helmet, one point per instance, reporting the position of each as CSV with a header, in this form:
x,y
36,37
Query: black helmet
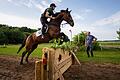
x,y
52,4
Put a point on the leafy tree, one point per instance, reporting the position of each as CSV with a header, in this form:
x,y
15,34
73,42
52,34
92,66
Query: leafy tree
x,y
16,36
25,29
3,38
13,35
79,39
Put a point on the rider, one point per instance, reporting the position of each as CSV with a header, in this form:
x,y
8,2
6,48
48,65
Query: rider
x,y
48,13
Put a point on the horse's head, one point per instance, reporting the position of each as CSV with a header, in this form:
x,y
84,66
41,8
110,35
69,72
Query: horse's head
x,y
67,17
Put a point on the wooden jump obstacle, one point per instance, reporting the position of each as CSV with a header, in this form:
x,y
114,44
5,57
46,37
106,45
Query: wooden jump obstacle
x,y
53,64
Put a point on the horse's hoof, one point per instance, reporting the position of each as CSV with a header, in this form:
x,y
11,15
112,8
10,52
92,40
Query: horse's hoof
x,y
27,61
21,63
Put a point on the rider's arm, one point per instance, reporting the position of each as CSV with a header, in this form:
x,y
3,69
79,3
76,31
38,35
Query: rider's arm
x,y
47,15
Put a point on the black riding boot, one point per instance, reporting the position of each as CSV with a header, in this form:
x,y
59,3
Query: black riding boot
x,y
44,28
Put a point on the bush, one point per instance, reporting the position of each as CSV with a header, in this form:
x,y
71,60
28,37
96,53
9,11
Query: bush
x,y
96,46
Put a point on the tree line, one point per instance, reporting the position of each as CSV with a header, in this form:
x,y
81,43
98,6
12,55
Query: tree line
x,y
13,35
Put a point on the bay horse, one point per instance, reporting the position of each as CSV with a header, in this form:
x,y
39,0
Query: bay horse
x,y
31,42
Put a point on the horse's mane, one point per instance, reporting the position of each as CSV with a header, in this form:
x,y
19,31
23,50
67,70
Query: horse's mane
x,y
57,14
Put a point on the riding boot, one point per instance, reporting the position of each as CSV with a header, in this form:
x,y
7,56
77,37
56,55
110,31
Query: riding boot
x,y
43,31
46,28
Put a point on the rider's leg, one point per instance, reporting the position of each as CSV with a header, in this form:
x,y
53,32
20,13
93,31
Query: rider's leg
x,y
46,27
43,22
43,29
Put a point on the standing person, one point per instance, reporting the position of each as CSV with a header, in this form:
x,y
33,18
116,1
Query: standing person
x,y
48,13
90,39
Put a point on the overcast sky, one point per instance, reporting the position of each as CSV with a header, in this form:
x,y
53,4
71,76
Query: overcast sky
x,y
100,17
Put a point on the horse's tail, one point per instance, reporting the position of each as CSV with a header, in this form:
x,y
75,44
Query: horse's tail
x,y
23,44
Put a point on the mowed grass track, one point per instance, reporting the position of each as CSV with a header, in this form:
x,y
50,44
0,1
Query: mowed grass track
x,y
109,55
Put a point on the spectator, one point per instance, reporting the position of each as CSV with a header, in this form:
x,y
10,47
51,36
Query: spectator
x,y
90,39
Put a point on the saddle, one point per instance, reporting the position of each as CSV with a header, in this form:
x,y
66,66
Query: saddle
x,y
46,27
38,33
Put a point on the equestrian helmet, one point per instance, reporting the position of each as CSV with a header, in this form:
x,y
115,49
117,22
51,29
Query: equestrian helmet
x,y
52,4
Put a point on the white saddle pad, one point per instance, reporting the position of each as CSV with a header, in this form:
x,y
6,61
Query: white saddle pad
x,y
38,33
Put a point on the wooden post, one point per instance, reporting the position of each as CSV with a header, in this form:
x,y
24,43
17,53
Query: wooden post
x,y
38,70
76,58
51,65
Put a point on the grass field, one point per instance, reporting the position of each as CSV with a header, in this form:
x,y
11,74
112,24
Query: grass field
x,y
106,55
109,56
110,43
12,50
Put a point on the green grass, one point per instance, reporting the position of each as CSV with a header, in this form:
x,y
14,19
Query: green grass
x,y
12,50
107,55
110,43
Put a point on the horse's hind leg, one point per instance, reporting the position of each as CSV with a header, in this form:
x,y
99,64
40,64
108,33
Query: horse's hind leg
x,y
33,48
23,54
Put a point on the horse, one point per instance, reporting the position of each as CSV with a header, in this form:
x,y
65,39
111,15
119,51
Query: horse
x,y
31,42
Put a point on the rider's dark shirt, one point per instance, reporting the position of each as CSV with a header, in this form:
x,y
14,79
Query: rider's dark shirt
x,y
49,10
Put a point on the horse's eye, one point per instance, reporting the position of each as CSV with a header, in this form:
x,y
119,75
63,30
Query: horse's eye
x,y
69,15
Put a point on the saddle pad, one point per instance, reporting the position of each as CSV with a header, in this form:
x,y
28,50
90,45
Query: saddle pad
x,y
38,33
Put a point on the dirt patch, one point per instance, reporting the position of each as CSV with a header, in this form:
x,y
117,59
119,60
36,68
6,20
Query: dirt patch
x,y
93,71
11,70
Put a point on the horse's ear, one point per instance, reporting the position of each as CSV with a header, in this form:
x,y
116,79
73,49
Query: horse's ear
x,y
67,9
70,11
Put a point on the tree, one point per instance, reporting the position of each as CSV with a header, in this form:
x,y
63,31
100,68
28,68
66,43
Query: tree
x,y
79,39
25,29
15,36
3,38
118,32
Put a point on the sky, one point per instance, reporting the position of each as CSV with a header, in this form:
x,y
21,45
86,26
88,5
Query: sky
x,y
100,17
